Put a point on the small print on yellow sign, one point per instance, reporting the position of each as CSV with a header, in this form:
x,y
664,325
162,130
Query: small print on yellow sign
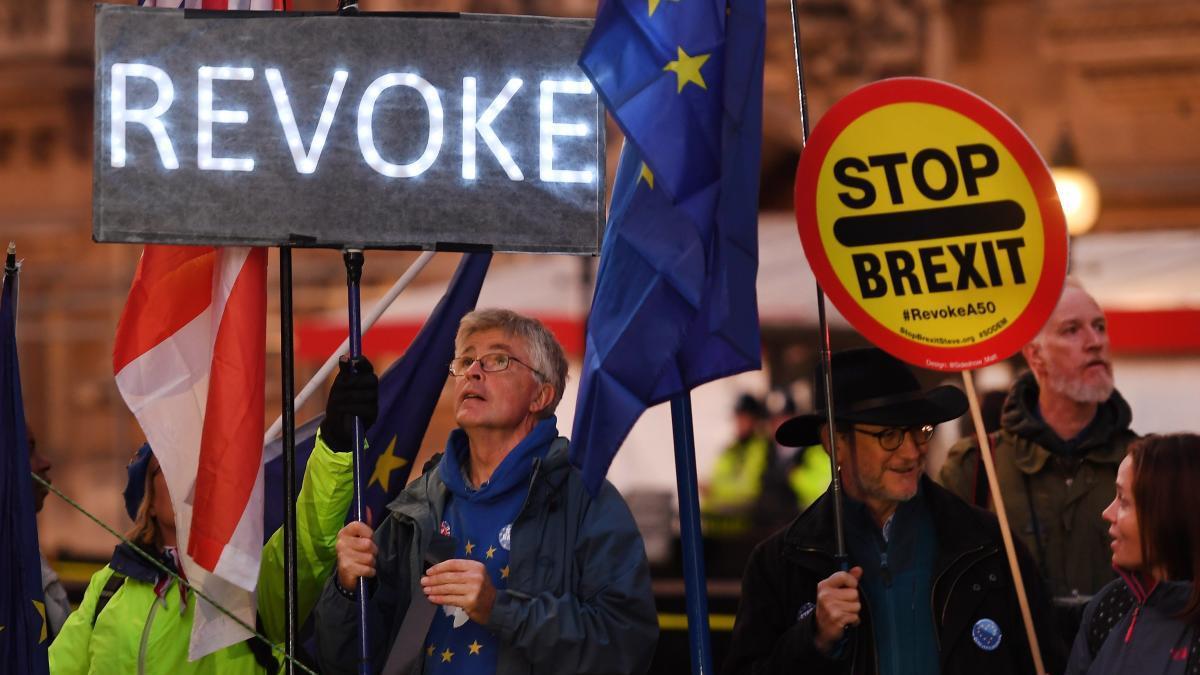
x,y
932,223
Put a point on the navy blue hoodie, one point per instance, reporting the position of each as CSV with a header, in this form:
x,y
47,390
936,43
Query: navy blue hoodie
x,y
480,522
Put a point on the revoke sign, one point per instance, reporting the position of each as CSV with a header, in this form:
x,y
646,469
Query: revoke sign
x,y
932,223
444,131
306,155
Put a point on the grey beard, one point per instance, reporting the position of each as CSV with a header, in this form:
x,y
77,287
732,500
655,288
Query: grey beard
x,y
1081,391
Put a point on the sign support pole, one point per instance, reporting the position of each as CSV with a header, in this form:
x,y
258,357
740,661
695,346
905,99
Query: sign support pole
x,y
354,264
696,591
985,452
287,376
835,482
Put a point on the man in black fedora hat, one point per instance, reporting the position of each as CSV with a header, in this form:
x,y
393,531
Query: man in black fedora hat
x,y
927,589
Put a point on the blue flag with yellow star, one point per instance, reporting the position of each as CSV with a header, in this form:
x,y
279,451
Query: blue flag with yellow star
x,y
23,630
408,393
675,303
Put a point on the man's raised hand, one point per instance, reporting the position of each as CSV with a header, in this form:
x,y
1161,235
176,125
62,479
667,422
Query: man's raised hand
x,y
838,607
356,552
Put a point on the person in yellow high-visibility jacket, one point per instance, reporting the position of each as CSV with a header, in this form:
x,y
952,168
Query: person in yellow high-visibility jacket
x,y
796,477
735,484
136,619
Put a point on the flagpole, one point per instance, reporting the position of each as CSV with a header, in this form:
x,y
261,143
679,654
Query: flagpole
x,y
696,591
10,270
354,263
835,483
287,376
385,301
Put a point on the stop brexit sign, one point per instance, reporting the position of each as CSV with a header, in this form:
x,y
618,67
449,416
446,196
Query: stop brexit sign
x,y
932,223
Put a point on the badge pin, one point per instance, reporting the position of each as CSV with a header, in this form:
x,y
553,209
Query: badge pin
x,y
986,634
805,611
506,537
444,529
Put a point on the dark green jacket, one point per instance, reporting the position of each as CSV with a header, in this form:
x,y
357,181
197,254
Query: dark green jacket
x,y
1068,487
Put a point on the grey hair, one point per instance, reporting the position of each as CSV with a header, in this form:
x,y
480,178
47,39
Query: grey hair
x,y
549,361
1069,282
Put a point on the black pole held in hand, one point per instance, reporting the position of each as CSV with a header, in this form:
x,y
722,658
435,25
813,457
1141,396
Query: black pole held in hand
x,y
354,263
835,482
353,259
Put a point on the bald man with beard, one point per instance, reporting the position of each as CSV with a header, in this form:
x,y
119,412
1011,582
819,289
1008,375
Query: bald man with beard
x,y
1064,432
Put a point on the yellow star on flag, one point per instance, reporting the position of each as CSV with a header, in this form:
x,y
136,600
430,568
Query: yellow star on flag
x,y
469,547
504,572
687,69
429,650
653,6
491,551
385,465
647,176
41,610
447,655
475,647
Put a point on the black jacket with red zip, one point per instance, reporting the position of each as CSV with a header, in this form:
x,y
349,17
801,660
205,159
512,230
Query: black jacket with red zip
x,y
1130,626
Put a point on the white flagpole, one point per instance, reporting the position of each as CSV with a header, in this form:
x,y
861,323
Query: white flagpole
x,y
367,321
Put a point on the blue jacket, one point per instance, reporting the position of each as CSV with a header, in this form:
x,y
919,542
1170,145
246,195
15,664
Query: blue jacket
x,y
579,597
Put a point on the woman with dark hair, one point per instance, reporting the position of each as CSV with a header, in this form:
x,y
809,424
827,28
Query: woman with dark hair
x,y
1148,620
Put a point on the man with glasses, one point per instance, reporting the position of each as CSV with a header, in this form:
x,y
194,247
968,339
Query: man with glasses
x,y
496,560
926,588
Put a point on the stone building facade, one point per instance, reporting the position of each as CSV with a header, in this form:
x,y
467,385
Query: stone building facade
x,y
1119,80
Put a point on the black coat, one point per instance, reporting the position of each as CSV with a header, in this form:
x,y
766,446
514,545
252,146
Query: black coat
x,y
971,581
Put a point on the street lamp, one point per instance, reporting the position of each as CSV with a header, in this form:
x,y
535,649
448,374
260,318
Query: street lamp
x,y
1077,191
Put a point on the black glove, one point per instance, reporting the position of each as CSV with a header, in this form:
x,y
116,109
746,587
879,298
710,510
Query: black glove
x,y
355,393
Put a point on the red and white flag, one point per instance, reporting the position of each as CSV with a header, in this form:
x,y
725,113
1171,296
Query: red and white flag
x,y
189,361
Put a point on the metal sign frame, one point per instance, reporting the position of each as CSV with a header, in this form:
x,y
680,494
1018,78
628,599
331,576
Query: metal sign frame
x,y
413,131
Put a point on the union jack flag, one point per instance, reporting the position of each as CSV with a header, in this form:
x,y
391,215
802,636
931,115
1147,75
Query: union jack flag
x,y
189,360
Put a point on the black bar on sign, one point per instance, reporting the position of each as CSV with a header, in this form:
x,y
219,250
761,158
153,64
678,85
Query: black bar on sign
x,y
924,224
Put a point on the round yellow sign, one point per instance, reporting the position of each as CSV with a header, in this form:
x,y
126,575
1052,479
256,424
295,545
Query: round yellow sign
x,y
932,223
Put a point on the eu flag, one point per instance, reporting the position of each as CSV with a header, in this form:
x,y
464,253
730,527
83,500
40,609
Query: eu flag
x,y
675,303
23,629
408,393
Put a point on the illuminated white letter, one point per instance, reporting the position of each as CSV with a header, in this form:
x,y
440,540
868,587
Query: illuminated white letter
x,y
366,109
306,161
484,126
147,117
207,117
550,129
